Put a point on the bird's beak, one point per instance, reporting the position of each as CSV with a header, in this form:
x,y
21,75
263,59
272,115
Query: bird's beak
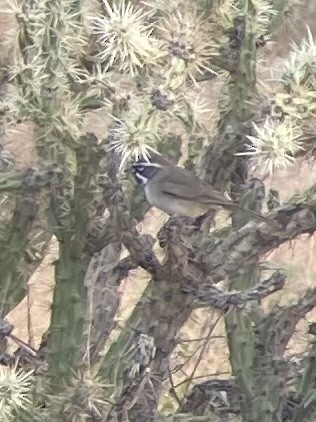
x,y
129,170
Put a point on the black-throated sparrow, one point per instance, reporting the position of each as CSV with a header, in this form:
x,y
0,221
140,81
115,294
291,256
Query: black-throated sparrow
x,y
180,192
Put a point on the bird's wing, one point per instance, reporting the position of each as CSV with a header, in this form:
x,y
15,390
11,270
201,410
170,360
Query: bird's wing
x,y
185,188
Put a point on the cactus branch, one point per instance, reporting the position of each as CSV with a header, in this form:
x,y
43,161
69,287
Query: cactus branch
x,y
102,281
220,260
306,387
209,295
65,337
14,240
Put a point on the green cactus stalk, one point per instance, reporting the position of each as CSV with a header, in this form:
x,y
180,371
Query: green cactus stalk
x,y
12,248
241,345
239,324
68,309
49,40
15,237
306,388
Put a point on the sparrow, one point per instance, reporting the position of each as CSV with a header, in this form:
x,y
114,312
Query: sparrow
x,y
179,192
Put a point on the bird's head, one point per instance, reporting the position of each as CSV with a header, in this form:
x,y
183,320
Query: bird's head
x,y
144,171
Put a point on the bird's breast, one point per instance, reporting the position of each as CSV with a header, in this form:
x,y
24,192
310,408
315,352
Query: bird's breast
x,y
173,205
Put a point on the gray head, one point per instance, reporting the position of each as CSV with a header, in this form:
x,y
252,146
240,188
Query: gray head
x,y
144,171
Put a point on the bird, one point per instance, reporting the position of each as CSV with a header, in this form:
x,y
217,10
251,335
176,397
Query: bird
x,y
179,192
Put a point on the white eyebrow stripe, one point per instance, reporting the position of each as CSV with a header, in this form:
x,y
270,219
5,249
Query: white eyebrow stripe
x,y
142,178
148,164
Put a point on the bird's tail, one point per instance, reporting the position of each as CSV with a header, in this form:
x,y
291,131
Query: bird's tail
x,y
256,215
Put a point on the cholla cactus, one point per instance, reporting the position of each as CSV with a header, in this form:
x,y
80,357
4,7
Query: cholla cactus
x,y
15,391
136,133
280,138
141,64
124,37
275,144
300,67
187,46
85,399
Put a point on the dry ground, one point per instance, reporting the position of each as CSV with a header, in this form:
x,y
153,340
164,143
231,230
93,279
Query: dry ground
x,y
296,258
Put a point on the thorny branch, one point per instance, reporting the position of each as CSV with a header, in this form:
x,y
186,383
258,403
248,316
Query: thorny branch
x,y
222,397
209,295
25,356
188,262
277,328
219,259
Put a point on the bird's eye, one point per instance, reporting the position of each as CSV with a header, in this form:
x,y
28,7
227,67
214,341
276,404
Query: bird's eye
x,y
140,169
